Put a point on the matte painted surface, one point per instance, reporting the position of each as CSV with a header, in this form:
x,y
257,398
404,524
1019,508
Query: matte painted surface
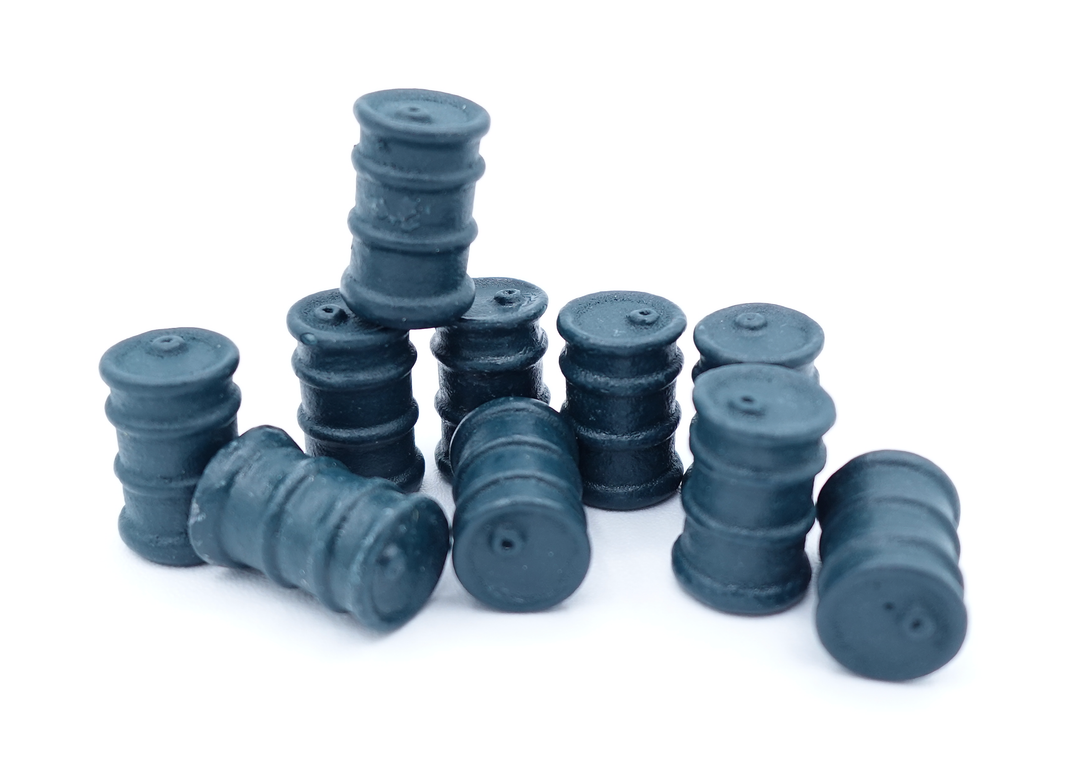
x,y
758,333
493,351
417,164
520,537
890,592
748,497
620,363
356,399
174,405
361,546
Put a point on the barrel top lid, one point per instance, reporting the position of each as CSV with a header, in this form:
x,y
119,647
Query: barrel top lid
x,y
763,401
759,333
422,116
324,320
504,302
621,322
169,358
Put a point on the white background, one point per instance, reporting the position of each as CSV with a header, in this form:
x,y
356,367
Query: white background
x,y
908,174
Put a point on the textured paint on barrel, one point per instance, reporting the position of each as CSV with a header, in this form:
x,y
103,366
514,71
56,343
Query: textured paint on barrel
x,y
174,404
416,164
520,537
620,363
890,592
748,497
357,403
361,546
491,352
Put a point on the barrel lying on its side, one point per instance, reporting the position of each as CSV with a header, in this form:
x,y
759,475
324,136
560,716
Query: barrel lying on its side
x,y
520,538
361,546
890,592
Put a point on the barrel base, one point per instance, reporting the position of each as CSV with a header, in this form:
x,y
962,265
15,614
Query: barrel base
x,y
442,460
892,622
742,600
416,312
632,497
165,549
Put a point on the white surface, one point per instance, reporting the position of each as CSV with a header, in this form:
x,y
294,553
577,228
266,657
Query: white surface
x,y
905,173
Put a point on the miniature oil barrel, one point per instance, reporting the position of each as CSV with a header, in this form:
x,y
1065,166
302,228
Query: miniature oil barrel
x,y
361,546
493,351
417,164
758,333
890,593
520,540
748,497
174,405
356,399
620,363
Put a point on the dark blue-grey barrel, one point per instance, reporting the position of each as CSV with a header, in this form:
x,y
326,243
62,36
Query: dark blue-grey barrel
x,y
493,351
757,444
890,592
356,398
361,546
417,164
173,403
758,333
520,537
620,363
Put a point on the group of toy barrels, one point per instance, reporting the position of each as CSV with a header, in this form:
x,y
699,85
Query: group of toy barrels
x,y
345,523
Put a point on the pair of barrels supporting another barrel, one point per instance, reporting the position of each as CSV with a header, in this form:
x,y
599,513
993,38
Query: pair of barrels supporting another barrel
x,y
194,492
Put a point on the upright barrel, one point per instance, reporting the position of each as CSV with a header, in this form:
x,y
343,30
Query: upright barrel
x,y
520,538
757,444
356,398
890,592
417,164
620,363
493,351
758,333
173,403
361,546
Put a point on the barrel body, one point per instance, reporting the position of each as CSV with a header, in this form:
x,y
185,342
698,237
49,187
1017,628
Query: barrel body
x,y
620,363
491,352
361,546
890,592
758,333
416,164
756,440
173,403
520,537
356,399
